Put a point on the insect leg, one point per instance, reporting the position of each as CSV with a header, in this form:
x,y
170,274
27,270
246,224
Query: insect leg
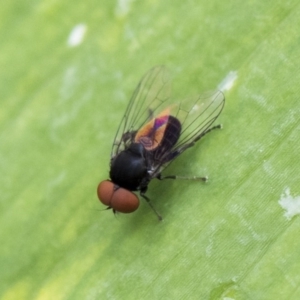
x,y
197,138
160,177
142,193
219,126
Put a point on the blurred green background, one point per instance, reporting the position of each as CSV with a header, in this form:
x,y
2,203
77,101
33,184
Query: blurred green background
x,y
67,71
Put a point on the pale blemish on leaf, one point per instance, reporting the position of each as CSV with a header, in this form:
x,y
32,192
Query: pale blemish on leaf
x,y
290,204
227,83
76,35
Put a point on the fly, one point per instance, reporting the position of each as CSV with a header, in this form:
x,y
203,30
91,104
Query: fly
x,y
153,133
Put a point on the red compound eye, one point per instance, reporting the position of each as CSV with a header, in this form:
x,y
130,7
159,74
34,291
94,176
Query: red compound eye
x,y
118,199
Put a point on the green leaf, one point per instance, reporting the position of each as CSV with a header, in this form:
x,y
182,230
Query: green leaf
x,y
62,97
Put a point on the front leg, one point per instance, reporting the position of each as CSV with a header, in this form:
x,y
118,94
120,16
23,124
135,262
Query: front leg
x,y
142,194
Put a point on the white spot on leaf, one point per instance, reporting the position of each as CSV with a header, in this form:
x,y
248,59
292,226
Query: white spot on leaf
x,y
290,204
77,34
227,83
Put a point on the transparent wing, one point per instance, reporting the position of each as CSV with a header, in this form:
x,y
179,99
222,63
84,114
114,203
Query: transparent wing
x,y
197,116
150,96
